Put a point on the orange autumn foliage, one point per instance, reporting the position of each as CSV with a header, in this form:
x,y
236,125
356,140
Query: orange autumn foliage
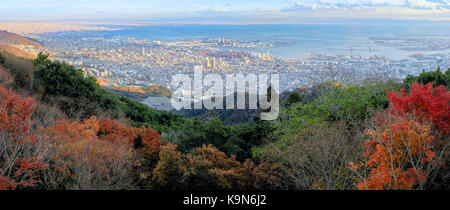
x,y
226,169
105,129
400,150
92,164
397,154
21,155
15,114
100,153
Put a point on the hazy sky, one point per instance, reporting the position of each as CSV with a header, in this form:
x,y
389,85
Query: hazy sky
x,y
220,10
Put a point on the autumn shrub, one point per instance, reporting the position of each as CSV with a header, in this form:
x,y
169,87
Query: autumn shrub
x,y
432,105
224,170
168,173
45,115
399,155
314,158
20,68
407,148
425,102
228,173
178,171
22,156
145,142
74,108
99,153
5,77
207,168
92,164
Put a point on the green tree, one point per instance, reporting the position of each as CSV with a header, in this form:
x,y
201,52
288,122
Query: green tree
x,y
237,139
436,77
62,79
293,98
2,59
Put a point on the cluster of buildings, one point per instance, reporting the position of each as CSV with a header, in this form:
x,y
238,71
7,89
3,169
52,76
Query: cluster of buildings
x,y
134,62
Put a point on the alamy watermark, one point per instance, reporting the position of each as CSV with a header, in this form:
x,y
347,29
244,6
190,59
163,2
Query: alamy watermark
x,y
191,94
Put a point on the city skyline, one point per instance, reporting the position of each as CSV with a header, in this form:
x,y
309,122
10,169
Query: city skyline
x,y
215,11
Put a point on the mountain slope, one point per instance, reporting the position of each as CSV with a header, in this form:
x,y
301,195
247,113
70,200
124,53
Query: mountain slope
x,y
7,38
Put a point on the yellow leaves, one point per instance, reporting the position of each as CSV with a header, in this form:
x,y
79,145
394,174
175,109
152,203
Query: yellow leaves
x,y
371,133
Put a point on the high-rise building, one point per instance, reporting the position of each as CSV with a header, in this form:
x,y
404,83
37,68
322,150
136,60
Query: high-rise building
x,y
208,64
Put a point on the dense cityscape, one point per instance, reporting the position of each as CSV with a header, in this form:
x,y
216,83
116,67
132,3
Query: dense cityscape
x,y
129,61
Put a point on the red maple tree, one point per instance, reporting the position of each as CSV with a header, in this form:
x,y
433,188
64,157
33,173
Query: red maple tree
x,y
424,102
